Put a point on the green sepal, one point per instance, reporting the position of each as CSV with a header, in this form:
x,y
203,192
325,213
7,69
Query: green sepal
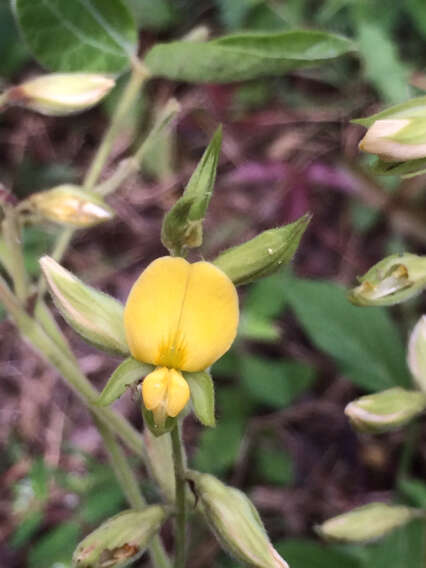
x,y
120,540
413,108
202,396
408,169
158,430
263,255
126,374
183,224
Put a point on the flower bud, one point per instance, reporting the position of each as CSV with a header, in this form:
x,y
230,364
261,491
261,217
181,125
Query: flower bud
x,y
386,410
417,354
366,524
396,139
394,279
235,522
120,540
95,316
61,94
263,255
70,205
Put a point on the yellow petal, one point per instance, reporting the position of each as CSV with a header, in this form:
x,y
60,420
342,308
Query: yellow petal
x,y
177,393
181,315
154,388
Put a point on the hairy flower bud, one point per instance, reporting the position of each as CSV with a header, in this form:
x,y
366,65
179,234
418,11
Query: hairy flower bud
x,y
70,205
386,410
417,354
120,540
396,139
263,255
236,523
60,94
394,279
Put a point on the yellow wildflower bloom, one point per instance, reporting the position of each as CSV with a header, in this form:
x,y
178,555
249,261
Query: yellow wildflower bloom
x,y
178,317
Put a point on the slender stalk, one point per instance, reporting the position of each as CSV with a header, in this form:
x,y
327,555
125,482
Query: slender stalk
x,y
130,487
12,236
138,76
71,374
180,529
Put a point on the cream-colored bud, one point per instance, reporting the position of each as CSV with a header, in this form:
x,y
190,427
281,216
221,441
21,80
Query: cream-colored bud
x,y
70,205
60,94
368,523
236,523
394,279
120,540
417,354
95,316
386,410
390,140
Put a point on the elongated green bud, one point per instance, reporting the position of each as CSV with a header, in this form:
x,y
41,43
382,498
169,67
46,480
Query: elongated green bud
x,y
236,523
97,317
368,523
60,94
417,354
71,206
394,279
120,540
263,255
387,410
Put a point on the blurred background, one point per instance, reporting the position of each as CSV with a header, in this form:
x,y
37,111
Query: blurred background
x,y
303,352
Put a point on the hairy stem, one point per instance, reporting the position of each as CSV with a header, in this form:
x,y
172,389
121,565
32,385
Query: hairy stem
x,y
130,487
12,237
138,76
31,330
180,529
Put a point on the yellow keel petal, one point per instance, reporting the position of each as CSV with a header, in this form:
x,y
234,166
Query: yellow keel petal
x,y
177,393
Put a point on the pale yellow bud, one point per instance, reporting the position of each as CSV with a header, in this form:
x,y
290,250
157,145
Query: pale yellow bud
x,y
382,139
60,94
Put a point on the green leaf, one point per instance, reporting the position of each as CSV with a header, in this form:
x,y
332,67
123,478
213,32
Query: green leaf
x,y
202,396
218,447
244,56
55,546
126,374
275,466
408,169
365,343
404,548
182,226
308,553
367,523
96,316
257,328
381,61
414,490
158,15
267,296
82,35
387,410
274,383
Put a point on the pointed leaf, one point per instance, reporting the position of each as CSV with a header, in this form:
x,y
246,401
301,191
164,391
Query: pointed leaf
x,y
244,56
82,35
202,396
129,372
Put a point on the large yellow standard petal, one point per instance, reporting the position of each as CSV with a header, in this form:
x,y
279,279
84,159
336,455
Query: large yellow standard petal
x,y
181,315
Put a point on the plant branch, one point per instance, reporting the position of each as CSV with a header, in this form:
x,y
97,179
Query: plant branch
x,y
180,481
12,236
130,487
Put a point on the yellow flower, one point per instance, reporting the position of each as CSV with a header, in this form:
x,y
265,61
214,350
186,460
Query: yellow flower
x,y
178,317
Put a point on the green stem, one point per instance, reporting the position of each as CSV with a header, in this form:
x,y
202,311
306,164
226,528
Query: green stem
x,y
408,450
138,76
130,487
52,353
180,481
131,165
12,236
